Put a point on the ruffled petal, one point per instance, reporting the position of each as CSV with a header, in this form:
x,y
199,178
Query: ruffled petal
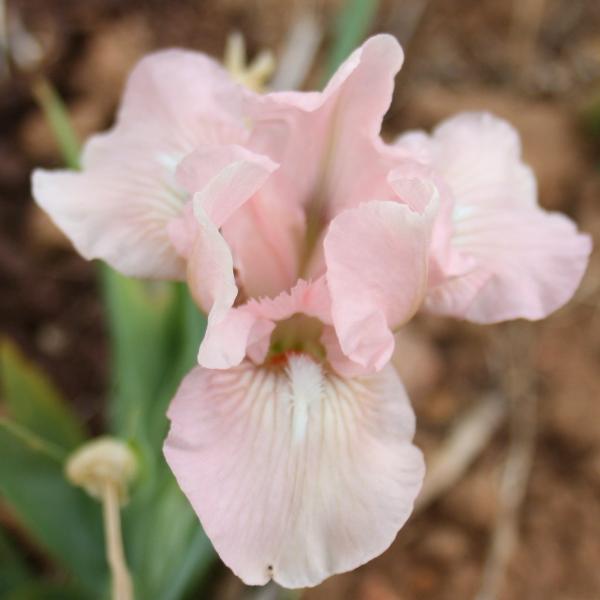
x,y
479,157
118,207
226,341
210,259
224,177
308,298
357,161
330,155
295,473
527,264
377,258
332,134
246,329
210,267
230,175
496,255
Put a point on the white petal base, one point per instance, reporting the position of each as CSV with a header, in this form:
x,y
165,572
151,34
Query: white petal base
x,y
295,473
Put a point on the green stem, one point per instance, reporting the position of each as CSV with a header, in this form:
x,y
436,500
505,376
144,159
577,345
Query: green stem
x,y
57,117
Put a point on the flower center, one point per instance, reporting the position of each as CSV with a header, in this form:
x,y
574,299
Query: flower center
x,y
299,333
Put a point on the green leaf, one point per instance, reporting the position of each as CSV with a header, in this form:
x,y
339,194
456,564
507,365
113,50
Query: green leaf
x,y
34,402
172,554
351,27
62,519
58,119
144,321
33,590
155,330
141,318
13,569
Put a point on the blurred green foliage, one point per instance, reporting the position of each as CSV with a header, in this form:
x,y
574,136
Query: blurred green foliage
x,y
154,330
36,432
350,29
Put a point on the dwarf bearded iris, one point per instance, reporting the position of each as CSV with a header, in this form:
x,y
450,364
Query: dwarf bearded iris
x,y
308,241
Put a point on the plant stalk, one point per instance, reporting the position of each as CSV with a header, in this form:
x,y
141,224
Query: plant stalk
x,y
122,588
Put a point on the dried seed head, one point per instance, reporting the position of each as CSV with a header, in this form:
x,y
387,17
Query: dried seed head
x,y
100,462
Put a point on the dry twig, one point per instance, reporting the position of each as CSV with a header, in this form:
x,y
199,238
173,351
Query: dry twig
x,y
297,57
519,460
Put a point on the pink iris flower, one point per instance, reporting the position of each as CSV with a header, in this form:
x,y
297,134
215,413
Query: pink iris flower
x,y
308,242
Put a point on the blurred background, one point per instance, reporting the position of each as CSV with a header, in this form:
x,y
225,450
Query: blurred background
x,y
508,415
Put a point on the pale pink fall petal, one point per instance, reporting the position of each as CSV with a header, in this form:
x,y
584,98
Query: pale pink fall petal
x,y
93,211
453,295
182,230
118,207
529,264
246,329
377,257
295,473
506,257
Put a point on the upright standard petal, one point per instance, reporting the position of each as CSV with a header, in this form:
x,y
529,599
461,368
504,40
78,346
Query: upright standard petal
x,y
377,258
507,257
118,207
334,133
357,161
331,157
295,473
229,176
